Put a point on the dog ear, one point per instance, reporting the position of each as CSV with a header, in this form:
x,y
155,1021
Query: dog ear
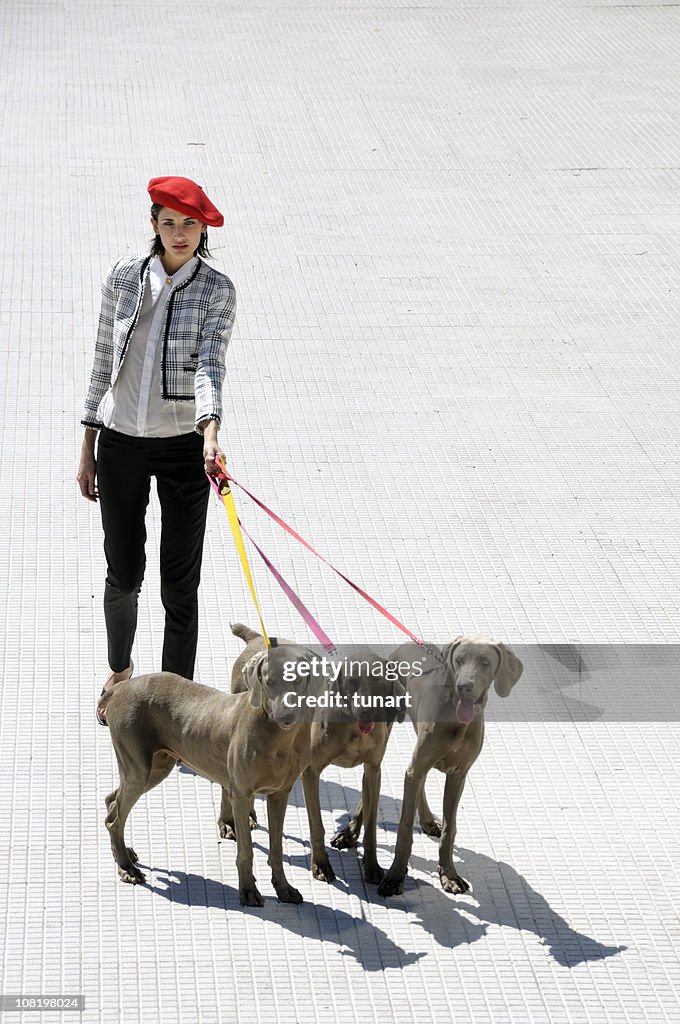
x,y
448,651
509,670
255,674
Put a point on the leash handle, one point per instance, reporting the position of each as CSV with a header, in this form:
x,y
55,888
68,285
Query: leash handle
x,y
289,529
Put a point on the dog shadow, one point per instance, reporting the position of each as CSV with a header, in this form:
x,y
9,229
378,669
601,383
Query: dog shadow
x,y
502,896
354,936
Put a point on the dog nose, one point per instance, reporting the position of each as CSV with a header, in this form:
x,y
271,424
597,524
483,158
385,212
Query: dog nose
x,y
464,689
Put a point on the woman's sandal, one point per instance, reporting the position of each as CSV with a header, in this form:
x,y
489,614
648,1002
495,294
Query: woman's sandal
x,y
98,710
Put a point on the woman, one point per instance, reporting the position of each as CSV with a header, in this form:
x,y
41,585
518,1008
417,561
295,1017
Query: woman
x,y
155,404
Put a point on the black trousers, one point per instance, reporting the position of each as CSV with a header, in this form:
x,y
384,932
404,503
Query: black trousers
x,y
125,466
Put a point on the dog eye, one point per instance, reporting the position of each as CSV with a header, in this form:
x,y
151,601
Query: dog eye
x,y
486,662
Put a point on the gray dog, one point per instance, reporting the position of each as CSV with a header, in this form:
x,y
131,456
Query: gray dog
x,y
247,743
347,734
447,709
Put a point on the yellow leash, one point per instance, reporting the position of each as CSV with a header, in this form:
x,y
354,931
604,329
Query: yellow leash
x,y
221,486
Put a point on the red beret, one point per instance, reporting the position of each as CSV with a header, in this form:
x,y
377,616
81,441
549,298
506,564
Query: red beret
x,y
185,196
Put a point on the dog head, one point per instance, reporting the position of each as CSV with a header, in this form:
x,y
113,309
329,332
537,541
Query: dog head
x,y
366,689
474,662
266,677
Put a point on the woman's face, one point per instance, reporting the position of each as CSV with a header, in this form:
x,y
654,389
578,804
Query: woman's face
x,y
180,236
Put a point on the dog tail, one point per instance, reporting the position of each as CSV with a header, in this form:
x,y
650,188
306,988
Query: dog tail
x,y
245,632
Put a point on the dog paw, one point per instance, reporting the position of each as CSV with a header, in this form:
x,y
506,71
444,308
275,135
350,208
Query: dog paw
x,y
322,871
226,829
373,873
344,839
251,896
432,828
132,875
391,885
287,894
452,882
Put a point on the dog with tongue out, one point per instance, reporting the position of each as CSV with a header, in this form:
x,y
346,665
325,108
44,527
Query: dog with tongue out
x,y
447,700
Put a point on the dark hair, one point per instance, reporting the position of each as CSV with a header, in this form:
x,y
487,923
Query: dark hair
x,y
157,248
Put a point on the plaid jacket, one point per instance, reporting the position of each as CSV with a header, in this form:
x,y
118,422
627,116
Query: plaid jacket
x,y
198,321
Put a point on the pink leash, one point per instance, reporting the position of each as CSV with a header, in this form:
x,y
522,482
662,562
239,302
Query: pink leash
x,y
312,623
220,484
315,627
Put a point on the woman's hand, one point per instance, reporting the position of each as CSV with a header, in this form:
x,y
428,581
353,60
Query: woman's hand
x,y
211,447
87,467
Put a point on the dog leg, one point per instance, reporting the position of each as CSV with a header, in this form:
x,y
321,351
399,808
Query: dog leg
x,y
450,879
248,892
119,804
276,810
133,784
321,865
414,780
225,822
109,800
347,837
430,825
370,790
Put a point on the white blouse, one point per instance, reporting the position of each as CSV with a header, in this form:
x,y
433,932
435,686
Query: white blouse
x,y
134,404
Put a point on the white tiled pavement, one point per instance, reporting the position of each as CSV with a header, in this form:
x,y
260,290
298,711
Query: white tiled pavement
x,y
454,228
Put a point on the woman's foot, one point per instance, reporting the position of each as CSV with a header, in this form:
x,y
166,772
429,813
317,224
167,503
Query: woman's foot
x,y
114,677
